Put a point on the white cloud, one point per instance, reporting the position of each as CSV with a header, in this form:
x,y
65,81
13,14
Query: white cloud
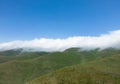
x,y
112,39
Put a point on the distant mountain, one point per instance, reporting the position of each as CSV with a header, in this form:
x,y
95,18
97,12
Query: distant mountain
x,y
17,67
12,52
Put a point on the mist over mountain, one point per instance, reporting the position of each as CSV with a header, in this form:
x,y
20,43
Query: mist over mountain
x,y
59,41
112,39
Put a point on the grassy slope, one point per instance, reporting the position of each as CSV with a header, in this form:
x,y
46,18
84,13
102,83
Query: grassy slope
x,y
11,55
104,71
27,66
15,69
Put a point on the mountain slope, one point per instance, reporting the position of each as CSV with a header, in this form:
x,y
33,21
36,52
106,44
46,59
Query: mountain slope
x,y
30,65
104,71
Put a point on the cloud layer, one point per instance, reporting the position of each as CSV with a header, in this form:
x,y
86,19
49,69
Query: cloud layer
x,y
112,39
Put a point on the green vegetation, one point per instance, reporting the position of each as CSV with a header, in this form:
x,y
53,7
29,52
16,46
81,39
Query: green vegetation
x,y
17,67
104,71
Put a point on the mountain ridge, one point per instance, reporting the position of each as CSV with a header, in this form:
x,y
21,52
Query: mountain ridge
x,y
27,66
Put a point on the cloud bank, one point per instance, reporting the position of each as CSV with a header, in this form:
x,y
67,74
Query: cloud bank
x,y
112,39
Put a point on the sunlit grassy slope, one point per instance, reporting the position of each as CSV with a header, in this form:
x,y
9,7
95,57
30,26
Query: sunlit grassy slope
x,y
104,71
21,67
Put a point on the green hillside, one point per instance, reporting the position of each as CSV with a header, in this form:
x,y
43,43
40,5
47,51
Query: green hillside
x,y
12,52
22,67
104,71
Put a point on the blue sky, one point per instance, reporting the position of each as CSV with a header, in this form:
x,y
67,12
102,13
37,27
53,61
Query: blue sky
x,y
29,19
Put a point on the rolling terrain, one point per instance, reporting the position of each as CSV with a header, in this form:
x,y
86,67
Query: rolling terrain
x,y
18,67
104,71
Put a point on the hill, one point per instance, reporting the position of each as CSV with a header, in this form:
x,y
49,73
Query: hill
x,y
25,66
104,71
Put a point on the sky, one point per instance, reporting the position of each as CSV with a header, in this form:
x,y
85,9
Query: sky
x,y
30,19
59,23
